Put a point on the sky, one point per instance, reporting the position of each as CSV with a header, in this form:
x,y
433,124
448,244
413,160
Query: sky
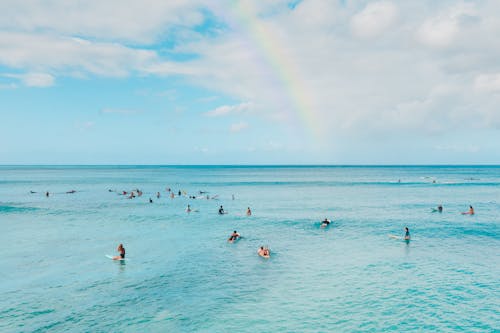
x,y
249,82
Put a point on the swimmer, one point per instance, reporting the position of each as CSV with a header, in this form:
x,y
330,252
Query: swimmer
x,y
234,236
150,200
249,212
221,210
407,234
325,223
121,250
188,209
264,252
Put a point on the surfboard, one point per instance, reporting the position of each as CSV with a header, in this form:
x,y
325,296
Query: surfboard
x,y
111,257
395,237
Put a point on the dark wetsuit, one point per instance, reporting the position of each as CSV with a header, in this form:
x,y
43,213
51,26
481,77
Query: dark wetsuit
x,y
122,254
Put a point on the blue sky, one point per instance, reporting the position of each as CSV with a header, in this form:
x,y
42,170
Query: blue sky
x,y
250,82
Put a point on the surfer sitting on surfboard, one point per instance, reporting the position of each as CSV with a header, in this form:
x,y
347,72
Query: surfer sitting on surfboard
x,y
120,249
325,222
407,233
234,236
221,210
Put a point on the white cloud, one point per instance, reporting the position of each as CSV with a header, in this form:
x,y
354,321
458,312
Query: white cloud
x,y
229,109
374,19
487,82
443,29
40,80
296,68
238,127
132,21
62,54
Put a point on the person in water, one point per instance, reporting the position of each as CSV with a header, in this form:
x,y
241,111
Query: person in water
x,y
249,212
264,252
150,200
234,236
121,250
325,222
188,209
440,208
158,195
47,194
221,210
407,233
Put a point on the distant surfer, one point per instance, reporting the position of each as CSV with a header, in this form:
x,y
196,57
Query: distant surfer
x,y
249,212
150,200
47,194
221,211
407,234
439,209
70,192
158,195
325,223
120,250
264,252
188,209
234,236
469,212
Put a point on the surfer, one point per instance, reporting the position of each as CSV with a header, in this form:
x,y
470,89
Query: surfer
x,y
249,212
264,252
158,195
221,210
407,234
440,208
47,194
188,209
121,250
470,212
325,223
150,200
234,236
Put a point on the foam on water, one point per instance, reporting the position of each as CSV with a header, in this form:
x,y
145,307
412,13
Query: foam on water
x,y
183,276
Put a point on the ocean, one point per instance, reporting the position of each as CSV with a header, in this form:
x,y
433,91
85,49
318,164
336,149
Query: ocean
x,y
181,274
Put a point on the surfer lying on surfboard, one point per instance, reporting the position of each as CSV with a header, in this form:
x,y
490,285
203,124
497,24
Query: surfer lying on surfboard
x,y
470,212
234,237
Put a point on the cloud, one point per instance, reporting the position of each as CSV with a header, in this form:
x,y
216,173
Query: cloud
x,y
487,82
40,80
442,30
238,127
298,68
374,19
129,21
229,109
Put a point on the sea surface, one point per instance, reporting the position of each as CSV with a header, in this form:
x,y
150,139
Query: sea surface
x,y
183,276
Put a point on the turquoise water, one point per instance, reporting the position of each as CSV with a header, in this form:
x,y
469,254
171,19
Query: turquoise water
x,y
182,275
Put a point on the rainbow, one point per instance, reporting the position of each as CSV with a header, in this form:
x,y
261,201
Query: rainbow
x,y
286,71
